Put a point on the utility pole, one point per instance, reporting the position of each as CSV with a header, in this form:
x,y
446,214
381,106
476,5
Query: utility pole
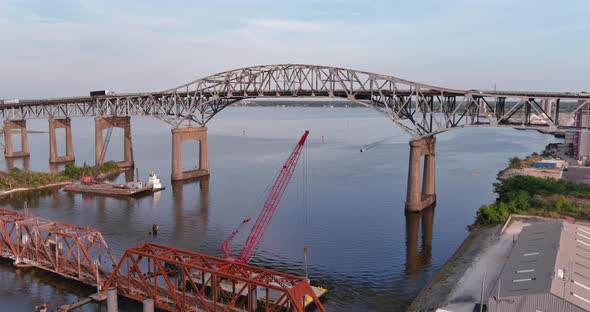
x,y
482,289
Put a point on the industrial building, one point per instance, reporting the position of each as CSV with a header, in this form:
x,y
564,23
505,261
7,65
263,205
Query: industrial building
x,y
582,133
547,270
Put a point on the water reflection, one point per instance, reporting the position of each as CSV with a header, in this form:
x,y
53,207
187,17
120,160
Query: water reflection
x,y
418,258
61,199
184,219
45,287
33,199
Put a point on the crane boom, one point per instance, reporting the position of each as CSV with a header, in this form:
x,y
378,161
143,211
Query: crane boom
x,y
270,205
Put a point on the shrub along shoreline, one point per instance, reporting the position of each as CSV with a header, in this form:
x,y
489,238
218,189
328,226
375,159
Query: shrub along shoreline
x,y
19,179
536,196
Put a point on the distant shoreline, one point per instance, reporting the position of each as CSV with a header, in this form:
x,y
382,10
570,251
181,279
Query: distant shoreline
x,y
28,131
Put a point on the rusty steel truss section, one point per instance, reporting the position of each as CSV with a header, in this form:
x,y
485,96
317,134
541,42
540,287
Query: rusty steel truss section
x,y
420,109
181,280
8,220
68,250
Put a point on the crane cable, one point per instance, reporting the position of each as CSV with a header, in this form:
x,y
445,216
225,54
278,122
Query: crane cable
x,y
305,207
103,152
2,142
260,202
107,139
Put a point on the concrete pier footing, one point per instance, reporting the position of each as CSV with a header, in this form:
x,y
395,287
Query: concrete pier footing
x,y
253,300
421,196
9,127
54,124
112,300
181,135
102,123
148,305
24,161
547,106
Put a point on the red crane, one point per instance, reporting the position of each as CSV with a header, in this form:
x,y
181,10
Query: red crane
x,y
272,201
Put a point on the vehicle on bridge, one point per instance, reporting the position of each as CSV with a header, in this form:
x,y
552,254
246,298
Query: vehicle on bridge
x,y
14,101
101,93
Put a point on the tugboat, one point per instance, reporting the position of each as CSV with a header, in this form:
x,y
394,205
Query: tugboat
x,y
154,181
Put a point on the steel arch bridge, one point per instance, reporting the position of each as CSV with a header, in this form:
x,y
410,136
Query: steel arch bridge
x,y
420,109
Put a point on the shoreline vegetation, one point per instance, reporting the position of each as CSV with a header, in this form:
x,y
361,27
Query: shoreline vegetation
x,y
16,180
535,196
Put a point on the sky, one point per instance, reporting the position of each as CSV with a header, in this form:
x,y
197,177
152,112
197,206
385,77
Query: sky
x,y
68,47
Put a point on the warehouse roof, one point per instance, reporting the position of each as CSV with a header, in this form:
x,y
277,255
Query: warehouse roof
x,y
550,257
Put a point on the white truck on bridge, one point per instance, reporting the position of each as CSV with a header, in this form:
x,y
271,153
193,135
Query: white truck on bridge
x,y
15,101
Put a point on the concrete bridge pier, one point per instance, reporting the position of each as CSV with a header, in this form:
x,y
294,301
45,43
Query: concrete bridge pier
x,y
25,163
181,135
421,196
54,124
9,127
547,106
102,123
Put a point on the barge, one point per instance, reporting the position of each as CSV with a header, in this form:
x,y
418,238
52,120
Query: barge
x,y
92,186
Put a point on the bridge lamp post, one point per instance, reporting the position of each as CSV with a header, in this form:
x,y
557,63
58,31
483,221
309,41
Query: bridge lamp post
x,y
96,265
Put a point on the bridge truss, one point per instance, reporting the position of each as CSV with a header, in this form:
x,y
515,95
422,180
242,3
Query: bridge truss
x,y
65,249
182,280
419,109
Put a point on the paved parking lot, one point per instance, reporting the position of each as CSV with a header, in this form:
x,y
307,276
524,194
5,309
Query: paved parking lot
x,y
577,174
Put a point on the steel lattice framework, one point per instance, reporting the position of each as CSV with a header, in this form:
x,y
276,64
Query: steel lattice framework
x,y
176,279
181,280
8,220
420,109
68,250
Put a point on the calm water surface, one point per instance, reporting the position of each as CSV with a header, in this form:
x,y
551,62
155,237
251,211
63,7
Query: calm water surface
x,y
363,249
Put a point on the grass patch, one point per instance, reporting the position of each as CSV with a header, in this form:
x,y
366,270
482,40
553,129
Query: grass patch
x,y
518,163
17,178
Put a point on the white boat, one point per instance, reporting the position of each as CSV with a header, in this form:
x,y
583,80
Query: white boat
x,y
154,181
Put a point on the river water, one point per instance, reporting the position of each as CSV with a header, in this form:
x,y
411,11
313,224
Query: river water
x,y
362,247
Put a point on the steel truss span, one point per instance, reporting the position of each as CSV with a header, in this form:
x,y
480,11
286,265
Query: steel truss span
x,y
181,280
420,109
71,251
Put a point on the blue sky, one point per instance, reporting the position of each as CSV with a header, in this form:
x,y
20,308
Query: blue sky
x,y
65,48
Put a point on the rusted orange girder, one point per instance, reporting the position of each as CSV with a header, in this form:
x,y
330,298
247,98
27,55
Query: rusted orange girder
x,y
8,219
65,249
181,280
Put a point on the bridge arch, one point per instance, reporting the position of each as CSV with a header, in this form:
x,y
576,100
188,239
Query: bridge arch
x,y
384,93
422,110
